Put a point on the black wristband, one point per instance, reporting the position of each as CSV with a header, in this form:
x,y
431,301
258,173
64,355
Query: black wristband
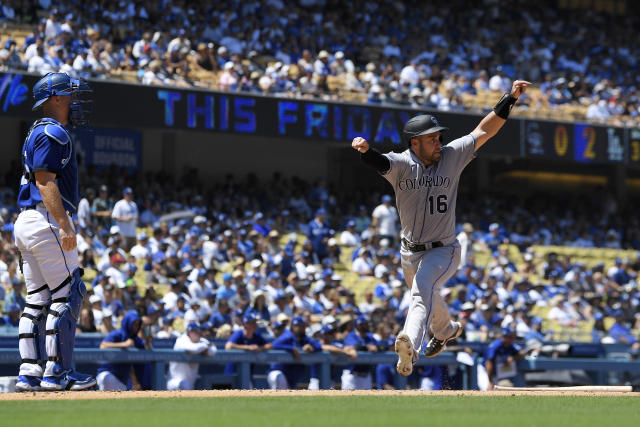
x,y
504,106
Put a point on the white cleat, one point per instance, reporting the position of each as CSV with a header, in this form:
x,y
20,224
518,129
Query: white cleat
x,y
405,355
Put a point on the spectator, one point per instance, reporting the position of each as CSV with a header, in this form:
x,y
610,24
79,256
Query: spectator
x,y
384,220
125,214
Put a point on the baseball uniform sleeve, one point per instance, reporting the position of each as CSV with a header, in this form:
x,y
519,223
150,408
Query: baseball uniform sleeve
x,y
460,152
48,154
315,344
399,164
284,342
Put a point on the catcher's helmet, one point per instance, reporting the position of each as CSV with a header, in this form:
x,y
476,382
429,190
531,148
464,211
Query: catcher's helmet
x,y
421,125
60,84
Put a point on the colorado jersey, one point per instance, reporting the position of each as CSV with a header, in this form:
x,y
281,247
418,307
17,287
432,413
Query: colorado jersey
x,y
426,195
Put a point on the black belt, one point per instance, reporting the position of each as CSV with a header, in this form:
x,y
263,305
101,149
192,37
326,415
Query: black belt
x,y
421,247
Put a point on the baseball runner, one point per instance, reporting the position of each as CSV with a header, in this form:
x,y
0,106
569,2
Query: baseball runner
x,y
45,236
425,180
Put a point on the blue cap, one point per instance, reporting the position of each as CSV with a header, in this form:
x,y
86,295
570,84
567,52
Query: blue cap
x,y
142,236
132,268
351,223
202,272
194,326
360,320
127,190
226,276
151,309
386,198
274,275
249,317
258,215
168,319
181,32
598,316
206,325
508,331
321,211
297,321
327,329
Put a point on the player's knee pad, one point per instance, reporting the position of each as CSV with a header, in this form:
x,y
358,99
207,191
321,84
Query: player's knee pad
x,y
62,320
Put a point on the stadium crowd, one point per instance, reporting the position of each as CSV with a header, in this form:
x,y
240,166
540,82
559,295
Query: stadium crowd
x,y
408,53
285,248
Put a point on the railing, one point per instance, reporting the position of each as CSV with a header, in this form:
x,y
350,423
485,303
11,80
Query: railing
x,y
243,360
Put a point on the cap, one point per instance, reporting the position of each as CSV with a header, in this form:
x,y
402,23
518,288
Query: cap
x,y
494,226
508,331
467,227
142,236
297,321
361,320
116,258
423,124
94,299
386,198
468,306
127,190
193,327
249,317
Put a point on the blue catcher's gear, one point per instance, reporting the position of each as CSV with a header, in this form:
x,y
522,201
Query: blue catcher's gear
x,y
62,319
48,147
60,84
61,333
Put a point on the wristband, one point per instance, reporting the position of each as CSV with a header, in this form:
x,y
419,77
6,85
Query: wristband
x,y
504,106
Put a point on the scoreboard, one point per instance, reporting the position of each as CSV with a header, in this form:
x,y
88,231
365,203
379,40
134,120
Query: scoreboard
x,y
579,142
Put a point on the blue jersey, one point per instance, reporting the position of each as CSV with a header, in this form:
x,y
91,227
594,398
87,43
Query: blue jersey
x,y
499,352
360,343
288,341
122,370
240,338
49,147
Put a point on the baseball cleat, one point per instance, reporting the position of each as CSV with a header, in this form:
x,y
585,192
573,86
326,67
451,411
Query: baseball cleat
x,y
28,383
436,346
405,355
54,383
78,381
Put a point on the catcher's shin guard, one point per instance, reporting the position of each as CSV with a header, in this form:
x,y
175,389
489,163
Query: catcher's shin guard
x,y
61,323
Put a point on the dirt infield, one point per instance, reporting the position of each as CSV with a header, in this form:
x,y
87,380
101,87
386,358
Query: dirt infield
x,y
69,395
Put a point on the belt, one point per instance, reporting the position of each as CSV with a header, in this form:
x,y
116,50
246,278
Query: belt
x,y
32,207
37,206
421,247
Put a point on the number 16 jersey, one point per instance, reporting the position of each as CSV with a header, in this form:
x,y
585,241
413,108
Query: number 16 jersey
x,y
426,195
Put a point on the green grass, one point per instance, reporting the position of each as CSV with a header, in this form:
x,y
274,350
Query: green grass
x,y
388,411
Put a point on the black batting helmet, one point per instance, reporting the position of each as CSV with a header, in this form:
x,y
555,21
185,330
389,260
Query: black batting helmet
x,y
420,125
